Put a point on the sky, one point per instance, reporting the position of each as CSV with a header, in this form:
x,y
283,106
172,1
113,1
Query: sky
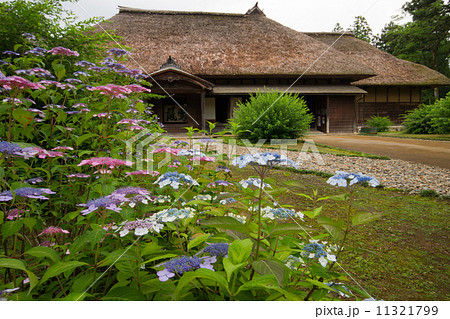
x,y
300,15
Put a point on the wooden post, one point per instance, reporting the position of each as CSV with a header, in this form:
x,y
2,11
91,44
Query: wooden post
x,y
202,110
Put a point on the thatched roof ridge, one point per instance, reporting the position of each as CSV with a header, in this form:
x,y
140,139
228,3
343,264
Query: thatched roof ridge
x,y
390,69
222,44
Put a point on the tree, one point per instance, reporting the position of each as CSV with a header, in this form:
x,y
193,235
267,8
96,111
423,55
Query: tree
x,y
51,25
338,28
361,29
425,40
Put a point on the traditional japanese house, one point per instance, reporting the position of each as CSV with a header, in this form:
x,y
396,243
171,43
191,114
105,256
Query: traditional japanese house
x,y
205,63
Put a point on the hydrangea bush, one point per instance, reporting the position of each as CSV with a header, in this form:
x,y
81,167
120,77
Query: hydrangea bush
x,y
79,221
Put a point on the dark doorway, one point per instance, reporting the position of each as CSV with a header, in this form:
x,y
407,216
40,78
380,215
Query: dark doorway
x,y
317,104
222,105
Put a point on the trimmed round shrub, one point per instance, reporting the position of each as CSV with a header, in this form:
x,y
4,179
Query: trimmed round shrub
x,y
382,123
272,115
429,119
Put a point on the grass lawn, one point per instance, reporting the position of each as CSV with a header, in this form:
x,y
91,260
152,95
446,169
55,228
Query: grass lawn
x,y
410,259
436,137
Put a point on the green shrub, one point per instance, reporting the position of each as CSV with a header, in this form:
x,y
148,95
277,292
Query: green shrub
x,y
428,193
429,119
272,115
382,123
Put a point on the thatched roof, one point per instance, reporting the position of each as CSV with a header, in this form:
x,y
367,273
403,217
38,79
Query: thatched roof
x,y
390,70
221,44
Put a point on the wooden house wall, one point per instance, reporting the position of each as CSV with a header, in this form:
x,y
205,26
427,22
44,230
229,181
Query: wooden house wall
x,y
388,101
341,114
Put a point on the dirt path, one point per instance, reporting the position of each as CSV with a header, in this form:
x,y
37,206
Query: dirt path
x,y
433,153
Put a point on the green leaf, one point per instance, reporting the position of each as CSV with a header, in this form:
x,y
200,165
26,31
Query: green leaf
x,y
230,268
263,282
124,294
188,277
12,263
59,268
225,222
29,222
319,284
197,241
94,236
240,250
10,228
84,137
23,116
77,245
284,229
273,267
43,252
335,232
365,217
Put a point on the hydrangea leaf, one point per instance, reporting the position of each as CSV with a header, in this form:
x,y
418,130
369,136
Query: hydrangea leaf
x,y
43,252
124,294
189,277
240,250
197,241
364,217
10,228
59,268
230,268
225,222
274,267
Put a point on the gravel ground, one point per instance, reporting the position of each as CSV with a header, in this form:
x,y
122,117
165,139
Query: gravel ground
x,y
404,175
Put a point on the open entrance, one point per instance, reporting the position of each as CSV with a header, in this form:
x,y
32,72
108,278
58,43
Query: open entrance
x,y
317,104
222,105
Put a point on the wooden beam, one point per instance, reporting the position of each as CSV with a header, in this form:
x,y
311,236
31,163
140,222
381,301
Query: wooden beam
x,y
202,108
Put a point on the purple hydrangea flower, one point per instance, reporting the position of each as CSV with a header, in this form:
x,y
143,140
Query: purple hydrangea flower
x,y
118,52
28,192
184,264
10,148
78,73
223,169
29,36
110,202
140,227
85,64
217,249
8,52
219,182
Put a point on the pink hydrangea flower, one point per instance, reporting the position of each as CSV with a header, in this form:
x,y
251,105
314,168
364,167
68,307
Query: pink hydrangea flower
x,y
204,159
137,88
112,90
20,83
14,214
38,112
106,161
52,230
102,115
63,51
137,128
153,173
169,150
41,153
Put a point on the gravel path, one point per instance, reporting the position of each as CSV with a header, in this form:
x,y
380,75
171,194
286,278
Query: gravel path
x,y
404,175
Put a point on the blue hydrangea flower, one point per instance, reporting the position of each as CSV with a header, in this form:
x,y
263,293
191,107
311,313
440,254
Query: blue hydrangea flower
x,y
240,218
184,264
217,249
345,179
140,227
280,213
316,250
10,148
293,262
174,179
263,159
85,64
192,152
8,52
223,169
174,214
29,36
256,182
78,73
